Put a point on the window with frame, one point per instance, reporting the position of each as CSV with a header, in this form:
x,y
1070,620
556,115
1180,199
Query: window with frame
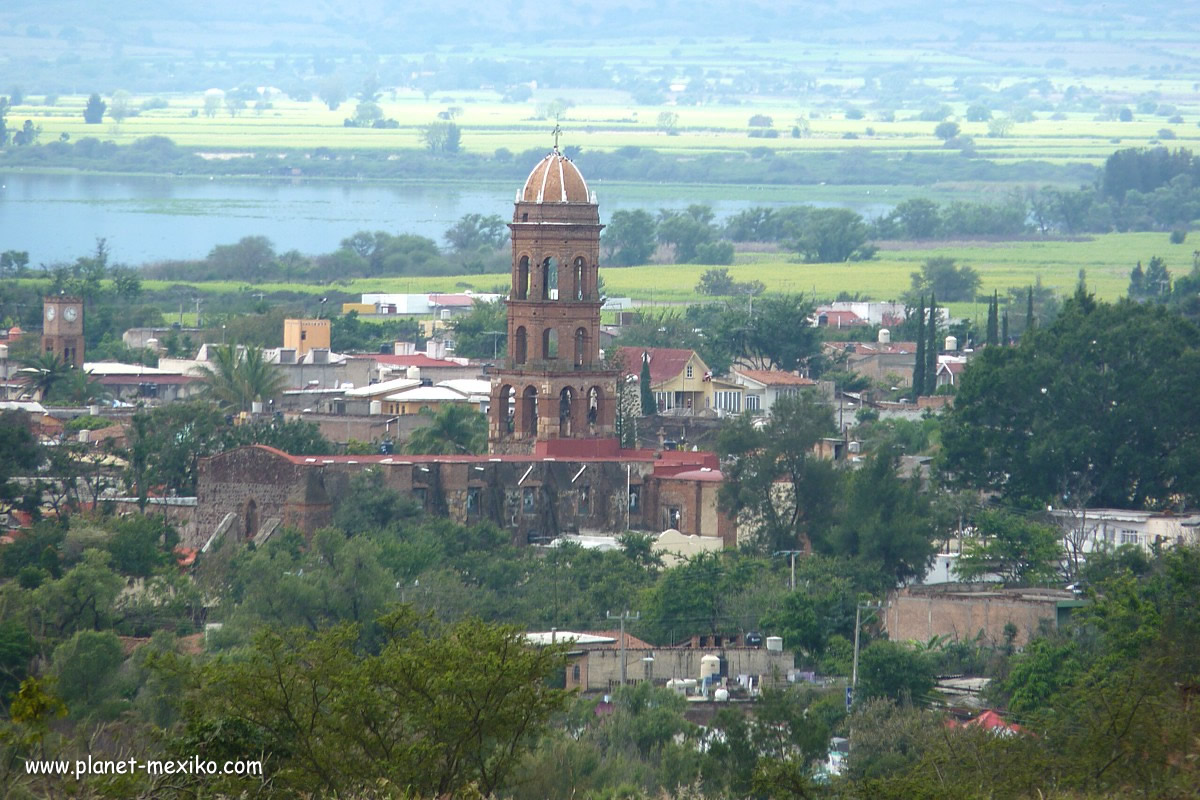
x,y
753,402
1130,536
689,371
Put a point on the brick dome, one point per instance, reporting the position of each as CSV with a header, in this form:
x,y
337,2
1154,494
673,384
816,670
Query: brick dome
x,y
555,179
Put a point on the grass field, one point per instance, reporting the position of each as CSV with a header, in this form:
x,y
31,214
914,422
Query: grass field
x,y
601,120
1106,259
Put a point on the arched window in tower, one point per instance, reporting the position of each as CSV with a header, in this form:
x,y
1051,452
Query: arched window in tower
x,y
580,347
520,350
566,412
529,411
549,344
580,271
251,519
550,279
594,399
521,289
507,409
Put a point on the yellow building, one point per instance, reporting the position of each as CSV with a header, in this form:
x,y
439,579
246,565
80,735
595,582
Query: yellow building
x,y
681,381
303,335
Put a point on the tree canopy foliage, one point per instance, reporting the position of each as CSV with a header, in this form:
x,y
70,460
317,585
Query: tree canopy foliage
x,y
1083,412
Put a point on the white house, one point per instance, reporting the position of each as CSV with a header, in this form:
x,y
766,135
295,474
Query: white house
x,y
762,387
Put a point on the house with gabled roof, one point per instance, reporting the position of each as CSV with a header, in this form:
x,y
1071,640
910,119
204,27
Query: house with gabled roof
x,y
762,387
682,383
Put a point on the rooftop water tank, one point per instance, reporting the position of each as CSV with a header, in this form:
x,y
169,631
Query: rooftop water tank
x,y
775,643
951,344
710,667
721,695
885,336
413,373
376,407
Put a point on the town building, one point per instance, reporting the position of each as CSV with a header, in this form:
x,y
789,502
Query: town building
x,y
763,387
680,380
302,335
963,611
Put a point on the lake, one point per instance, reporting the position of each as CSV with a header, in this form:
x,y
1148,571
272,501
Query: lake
x,y
58,217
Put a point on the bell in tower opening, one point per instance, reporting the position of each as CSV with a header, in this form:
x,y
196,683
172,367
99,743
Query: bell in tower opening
x,y
553,384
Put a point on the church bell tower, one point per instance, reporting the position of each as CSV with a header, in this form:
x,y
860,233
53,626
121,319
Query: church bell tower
x,y
553,384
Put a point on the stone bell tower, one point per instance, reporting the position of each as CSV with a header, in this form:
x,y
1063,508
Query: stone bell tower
x,y
553,385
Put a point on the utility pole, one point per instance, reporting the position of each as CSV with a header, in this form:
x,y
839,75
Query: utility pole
x,y
792,554
858,609
624,616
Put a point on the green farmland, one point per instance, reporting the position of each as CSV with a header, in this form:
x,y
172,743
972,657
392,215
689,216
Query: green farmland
x,y
1106,259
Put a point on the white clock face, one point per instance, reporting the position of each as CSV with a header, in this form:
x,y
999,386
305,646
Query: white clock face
x,y
70,314
50,313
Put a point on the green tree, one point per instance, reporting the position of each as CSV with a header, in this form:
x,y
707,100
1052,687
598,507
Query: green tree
x,y
453,429
82,599
767,336
1019,550
45,371
832,235
917,218
442,137
932,346
940,276
482,332
84,667
649,403
20,456
629,238
238,376
946,130
993,323
1082,412
475,232
884,520
93,113
121,107
894,671
918,383
773,480
436,710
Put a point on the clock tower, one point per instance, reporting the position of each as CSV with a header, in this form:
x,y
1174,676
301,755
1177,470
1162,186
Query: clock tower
x,y
62,328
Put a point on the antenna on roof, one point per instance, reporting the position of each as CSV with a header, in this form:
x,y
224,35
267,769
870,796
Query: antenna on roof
x,y
557,132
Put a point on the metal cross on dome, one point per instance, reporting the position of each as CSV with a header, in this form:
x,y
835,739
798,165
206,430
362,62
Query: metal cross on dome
x,y
557,132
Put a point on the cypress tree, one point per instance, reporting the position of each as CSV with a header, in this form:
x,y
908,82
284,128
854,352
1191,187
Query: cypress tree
x,y
919,366
1029,320
931,349
992,323
1004,330
649,405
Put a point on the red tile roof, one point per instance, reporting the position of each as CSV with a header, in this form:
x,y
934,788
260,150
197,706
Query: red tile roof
x,y
841,319
631,641
774,377
665,362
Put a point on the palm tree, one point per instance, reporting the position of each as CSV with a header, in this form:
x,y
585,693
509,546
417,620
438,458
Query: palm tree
x,y
78,386
236,377
456,428
43,372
